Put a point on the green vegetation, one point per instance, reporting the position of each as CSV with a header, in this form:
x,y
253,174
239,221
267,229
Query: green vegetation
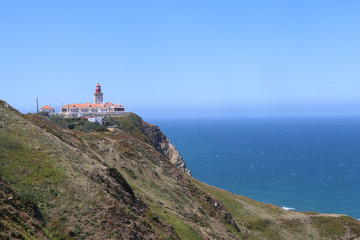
x,y
43,114
332,227
81,124
231,204
19,218
183,230
329,226
133,125
310,213
27,169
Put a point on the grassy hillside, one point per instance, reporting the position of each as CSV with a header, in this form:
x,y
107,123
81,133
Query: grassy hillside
x,y
63,183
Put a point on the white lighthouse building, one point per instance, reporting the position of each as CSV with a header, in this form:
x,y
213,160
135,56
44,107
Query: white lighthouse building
x,y
98,108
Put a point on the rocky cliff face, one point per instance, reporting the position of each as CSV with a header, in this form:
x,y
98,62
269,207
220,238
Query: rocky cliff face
x,y
153,135
164,146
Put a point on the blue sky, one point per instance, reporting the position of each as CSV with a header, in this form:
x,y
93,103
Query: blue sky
x,y
184,58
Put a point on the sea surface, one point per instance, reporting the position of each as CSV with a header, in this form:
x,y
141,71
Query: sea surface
x,y
306,164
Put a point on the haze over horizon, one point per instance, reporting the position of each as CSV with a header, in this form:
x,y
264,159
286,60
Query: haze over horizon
x,y
184,58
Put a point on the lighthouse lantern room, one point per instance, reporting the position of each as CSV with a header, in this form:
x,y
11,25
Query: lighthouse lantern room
x,y
98,95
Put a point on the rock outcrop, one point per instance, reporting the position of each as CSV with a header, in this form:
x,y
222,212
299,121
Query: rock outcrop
x,y
152,135
164,146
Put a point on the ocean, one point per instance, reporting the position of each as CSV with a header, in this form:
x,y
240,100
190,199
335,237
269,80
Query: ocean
x,y
305,164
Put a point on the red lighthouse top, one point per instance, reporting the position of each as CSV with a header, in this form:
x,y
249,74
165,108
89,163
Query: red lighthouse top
x,y
98,88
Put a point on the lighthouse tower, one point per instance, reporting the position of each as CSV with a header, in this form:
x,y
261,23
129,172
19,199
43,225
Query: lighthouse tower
x,y
98,95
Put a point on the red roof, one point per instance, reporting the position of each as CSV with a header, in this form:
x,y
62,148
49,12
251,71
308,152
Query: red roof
x,y
91,105
85,105
98,85
118,105
46,107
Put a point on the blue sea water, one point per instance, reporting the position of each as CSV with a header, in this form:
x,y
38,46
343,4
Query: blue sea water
x,y
309,164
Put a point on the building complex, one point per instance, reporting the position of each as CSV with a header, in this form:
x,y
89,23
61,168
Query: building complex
x,y
98,108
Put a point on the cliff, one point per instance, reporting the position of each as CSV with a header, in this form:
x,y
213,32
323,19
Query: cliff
x,y
158,139
120,182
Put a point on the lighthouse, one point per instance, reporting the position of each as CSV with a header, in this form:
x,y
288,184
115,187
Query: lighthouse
x,y
98,108
98,95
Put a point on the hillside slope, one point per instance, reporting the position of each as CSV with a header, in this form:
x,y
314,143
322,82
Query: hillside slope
x,y
122,184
